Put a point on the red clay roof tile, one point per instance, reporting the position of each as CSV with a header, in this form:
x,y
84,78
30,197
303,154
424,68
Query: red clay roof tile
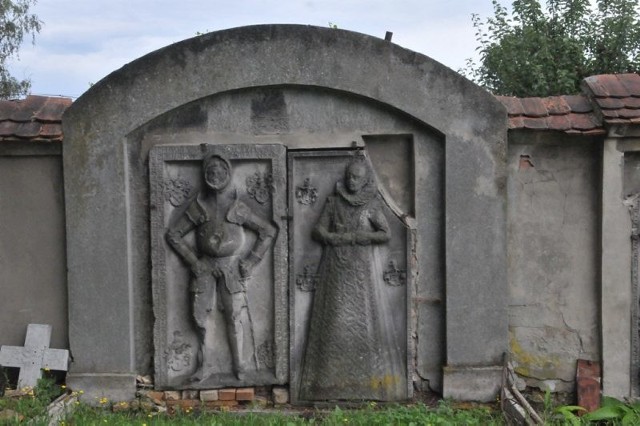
x,y
611,103
537,123
533,107
556,105
559,122
631,83
35,118
628,113
516,123
631,102
583,121
578,103
513,105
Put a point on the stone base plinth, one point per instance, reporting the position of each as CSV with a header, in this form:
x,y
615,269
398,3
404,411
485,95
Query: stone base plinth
x,y
472,383
93,387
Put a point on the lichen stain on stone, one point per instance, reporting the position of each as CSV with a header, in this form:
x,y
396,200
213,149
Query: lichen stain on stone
x,y
387,381
532,365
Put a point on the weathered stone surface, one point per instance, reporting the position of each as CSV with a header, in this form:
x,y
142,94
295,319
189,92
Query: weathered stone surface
x,y
553,257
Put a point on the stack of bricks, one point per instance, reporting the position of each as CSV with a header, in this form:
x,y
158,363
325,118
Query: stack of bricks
x,y
189,400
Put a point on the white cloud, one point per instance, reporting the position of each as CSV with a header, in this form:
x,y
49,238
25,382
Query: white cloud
x,y
83,41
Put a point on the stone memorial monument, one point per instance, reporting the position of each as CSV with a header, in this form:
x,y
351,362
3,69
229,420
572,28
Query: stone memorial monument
x,y
353,349
291,205
215,271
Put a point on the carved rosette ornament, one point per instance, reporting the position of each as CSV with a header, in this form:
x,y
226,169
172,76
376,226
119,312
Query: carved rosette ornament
x,y
307,280
260,187
306,194
177,191
178,354
393,276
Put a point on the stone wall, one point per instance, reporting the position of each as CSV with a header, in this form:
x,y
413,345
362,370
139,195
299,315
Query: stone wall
x,y
32,247
553,255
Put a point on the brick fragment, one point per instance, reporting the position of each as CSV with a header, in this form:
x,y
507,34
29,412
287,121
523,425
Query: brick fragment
x,y
190,394
280,395
245,394
228,394
588,384
209,395
172,395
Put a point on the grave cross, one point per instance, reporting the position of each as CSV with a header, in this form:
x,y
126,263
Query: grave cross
x,y
34,355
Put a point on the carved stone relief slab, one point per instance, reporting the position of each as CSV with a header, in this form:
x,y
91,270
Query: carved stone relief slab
x,y
348,327
218,244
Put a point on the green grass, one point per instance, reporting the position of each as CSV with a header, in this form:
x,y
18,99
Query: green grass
x,y
389,415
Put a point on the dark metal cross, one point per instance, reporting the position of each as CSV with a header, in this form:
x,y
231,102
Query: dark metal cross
x,y
34,356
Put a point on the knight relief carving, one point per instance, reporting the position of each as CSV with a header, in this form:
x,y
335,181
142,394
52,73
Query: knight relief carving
x,y
220,222
349,354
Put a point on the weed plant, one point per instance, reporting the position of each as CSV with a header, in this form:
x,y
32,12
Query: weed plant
x,y
33,404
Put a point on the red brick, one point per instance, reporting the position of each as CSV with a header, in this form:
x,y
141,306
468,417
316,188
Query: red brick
x,y
227,394
245,394
588,384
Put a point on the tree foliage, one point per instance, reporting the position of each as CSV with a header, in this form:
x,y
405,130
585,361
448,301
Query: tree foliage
x,y
16,21
535,51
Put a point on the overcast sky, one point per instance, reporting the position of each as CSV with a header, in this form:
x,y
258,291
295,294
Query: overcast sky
x,y
83,41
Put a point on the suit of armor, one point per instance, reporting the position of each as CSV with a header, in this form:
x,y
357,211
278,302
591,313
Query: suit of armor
x,y
219,268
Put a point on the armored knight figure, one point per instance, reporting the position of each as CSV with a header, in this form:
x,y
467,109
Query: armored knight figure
x,y
219,267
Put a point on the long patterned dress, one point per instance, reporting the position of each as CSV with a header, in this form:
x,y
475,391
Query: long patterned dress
x,y
349,355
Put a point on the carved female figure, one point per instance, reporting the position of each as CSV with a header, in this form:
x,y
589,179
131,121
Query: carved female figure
x,y
348,353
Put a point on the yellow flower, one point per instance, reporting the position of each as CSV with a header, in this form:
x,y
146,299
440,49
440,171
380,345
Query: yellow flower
x,y
47,369
63,386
